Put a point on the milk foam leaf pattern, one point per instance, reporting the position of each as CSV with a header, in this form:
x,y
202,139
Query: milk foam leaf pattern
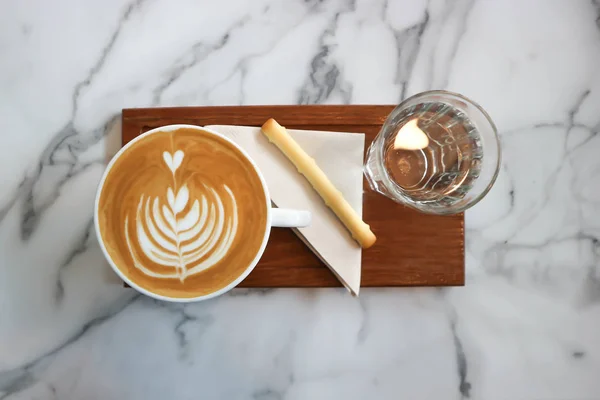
x,y
176,239
183,196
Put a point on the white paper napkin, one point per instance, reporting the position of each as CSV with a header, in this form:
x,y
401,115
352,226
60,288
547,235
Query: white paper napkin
x,y
340,156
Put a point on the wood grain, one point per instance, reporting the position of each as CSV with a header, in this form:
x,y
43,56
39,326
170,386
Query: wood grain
x,y
412,249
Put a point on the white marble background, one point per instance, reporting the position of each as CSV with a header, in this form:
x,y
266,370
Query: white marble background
x,y
527,324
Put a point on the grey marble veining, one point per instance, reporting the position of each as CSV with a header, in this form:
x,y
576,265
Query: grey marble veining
x,y
526,325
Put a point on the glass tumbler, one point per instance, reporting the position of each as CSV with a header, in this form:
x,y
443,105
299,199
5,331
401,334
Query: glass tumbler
x,y
437,152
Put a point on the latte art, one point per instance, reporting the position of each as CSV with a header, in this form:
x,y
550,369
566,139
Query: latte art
x,y
182,213
181,241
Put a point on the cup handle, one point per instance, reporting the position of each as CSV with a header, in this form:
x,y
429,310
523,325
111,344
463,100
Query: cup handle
x,y
284,218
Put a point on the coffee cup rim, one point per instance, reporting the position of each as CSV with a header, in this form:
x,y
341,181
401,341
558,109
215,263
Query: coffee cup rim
x,y
147,292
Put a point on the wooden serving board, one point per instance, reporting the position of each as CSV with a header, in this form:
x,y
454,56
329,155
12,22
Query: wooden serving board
x,y
412,249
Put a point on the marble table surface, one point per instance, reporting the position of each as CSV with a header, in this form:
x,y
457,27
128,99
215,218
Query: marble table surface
x,y
525,326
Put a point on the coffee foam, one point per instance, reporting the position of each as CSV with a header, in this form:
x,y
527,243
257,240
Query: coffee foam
x,y
182,213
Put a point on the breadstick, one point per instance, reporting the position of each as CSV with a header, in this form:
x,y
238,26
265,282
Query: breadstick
x,y
307,166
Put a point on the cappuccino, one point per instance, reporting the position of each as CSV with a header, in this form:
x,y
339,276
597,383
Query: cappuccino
x,y
182,213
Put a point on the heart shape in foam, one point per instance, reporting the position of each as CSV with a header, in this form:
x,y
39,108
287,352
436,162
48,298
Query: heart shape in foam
x,y
173,161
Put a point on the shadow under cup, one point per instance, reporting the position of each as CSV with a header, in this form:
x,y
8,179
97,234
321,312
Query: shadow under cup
x,y
182,213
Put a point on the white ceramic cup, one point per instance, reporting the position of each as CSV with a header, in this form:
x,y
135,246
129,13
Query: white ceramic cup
x,y
276,217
